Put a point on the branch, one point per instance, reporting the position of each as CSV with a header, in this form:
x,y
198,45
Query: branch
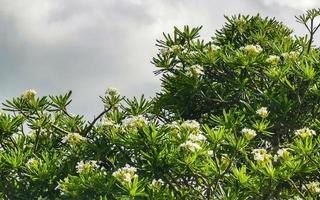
x,y
296,188
95,120
60,129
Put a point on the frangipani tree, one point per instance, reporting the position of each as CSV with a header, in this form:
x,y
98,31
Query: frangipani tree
x,y
237,118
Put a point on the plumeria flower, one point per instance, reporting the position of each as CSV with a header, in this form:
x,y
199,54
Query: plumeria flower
x,y
33,162
213,48
292,55
86,166
252,49
165,51
107,122
112,91
313,187
261,156
29,94
263,112
273,60
249,134
125,174
73,139
191,125
135,121
197,137
176,49
195,70
157,183
191,146
304,132
282,154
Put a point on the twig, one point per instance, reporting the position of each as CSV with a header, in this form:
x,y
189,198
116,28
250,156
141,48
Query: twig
x,y
95,120
296,188
60,129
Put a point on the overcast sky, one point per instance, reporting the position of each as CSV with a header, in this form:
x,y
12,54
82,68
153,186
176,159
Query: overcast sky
x,y
88,45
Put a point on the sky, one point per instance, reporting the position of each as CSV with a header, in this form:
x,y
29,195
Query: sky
x,y
86,46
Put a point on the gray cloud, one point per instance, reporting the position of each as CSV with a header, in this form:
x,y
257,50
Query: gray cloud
x,y
88,45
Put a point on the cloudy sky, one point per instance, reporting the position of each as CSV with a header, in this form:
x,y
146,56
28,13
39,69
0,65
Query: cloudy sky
x,y
88,45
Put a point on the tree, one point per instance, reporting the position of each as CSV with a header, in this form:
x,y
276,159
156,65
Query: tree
x,y
237,118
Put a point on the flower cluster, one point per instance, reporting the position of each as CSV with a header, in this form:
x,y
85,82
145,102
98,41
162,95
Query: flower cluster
x,y
125,174
313,187
173,49
304,132
282,153
292,55
263,112
252,49
29,94
213,48
197,137
273,60
135,121
107,122
191,146
261,156
112,91
157,183
195,70
191,125
86,166
248,133
33,163
73,139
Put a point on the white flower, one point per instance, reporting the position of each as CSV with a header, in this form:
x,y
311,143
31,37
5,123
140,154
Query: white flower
x,y
195,70
273,59
292,55
213,48
165,51
313,187
174,126
175,49
191,125
157,183
191,146
135,121
263,112
249,134
112,91
210,153
197,137
125,174
252,49
32,162
261,156
73,138
29,94
86,166
304,132
282,153
107,122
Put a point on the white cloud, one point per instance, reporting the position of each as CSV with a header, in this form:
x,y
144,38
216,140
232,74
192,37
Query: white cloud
x,y
89,45
296,4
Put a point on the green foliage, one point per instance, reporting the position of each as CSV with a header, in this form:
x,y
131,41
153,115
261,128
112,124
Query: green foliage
x,y
237,118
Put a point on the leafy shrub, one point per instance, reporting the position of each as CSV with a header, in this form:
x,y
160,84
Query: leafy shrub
x,y
237,118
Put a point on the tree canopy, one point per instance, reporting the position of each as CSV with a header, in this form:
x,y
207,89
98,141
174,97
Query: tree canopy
x,y
237,117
